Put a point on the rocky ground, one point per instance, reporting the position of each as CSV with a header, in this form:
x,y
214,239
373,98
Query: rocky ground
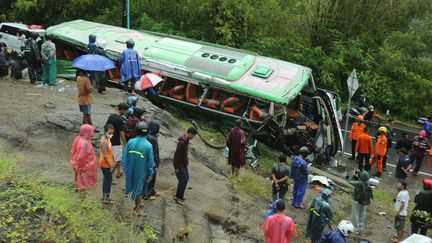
x,y
38,126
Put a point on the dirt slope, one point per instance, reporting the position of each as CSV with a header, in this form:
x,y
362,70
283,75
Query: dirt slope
x,y
38,125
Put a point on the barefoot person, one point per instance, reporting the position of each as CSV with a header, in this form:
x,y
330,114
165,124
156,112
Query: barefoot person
x,y
83,160
106,162
236,144
138,166
181,163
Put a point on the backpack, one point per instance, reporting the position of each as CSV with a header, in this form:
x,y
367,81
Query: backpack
x,y
363,194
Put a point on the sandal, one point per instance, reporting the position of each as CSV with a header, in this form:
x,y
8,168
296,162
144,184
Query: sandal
x,y
108,201
139,214
119,174
179,201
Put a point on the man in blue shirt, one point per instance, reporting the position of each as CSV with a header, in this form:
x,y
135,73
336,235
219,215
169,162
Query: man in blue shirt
x,y
299,173
130,70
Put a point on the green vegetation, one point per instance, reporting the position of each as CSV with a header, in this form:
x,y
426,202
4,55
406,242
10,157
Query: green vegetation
x,y
389,42
30,209
250,185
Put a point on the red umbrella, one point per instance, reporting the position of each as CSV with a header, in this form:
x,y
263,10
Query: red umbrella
x,y
148,80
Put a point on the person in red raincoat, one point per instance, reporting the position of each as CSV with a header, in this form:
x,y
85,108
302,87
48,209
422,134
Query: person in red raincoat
x,y
236,144
279,228
83,160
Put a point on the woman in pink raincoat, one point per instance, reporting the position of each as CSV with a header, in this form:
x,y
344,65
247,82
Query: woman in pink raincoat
x,y
83,160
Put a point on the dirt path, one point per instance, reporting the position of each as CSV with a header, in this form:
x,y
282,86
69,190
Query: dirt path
x,y
38,125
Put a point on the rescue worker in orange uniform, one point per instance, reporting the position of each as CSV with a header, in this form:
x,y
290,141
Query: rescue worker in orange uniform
x,y
364,148
380,151
356,129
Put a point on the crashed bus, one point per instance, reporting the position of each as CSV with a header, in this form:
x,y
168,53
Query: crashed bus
x,y
278,99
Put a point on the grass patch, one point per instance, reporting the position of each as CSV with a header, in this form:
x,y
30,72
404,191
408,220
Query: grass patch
x,y
250,185
56,212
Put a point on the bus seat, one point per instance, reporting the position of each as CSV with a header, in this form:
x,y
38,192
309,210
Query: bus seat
x,y
212,103
256,113
192,94
177,92
292,114
231,105
311,125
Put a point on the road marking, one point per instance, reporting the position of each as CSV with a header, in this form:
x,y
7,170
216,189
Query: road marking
x,y
392,165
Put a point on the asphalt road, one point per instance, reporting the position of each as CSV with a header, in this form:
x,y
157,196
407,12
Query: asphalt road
x,y
426,169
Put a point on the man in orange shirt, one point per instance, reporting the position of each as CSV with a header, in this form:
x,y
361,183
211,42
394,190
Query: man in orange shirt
x,y
85,89
364,148
380,151
356,129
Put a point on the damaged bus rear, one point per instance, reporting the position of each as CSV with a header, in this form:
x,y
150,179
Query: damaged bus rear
x,y
279,100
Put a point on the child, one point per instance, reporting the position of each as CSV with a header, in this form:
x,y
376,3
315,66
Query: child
x,y
401,208
106,163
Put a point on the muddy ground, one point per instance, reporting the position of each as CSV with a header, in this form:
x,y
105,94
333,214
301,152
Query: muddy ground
x,y
38,125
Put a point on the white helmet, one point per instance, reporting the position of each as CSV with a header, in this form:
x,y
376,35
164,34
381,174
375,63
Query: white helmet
x,y
346,227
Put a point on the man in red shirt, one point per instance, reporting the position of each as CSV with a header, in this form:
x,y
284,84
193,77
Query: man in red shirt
x,y
364,148
279,228
181,162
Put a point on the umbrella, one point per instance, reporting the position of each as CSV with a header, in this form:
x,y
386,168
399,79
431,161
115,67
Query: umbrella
x,y
148,80
93,62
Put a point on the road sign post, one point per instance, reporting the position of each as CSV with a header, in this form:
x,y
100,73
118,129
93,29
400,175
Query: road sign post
x,y
352,82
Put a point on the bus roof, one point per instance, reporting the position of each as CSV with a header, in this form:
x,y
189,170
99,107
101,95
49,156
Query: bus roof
x,y
239,70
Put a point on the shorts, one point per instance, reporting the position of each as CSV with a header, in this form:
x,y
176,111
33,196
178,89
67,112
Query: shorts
x,y
117,152
399,222
85,109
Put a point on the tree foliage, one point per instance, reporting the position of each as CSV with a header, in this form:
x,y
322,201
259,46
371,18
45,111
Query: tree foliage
x,y
389,42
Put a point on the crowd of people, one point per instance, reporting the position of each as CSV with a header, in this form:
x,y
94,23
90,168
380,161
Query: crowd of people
x,y
39,52
129,147
409,151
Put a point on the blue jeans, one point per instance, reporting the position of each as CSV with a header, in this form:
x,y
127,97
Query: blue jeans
x,y
298,193
183,178
107,181
282,191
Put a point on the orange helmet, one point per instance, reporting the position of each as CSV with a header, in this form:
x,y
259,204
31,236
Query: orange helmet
x,y
360,118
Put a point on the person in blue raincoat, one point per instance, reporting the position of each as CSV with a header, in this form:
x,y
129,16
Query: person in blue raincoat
x,y
320,215
130,70
138,165
299,173
272,209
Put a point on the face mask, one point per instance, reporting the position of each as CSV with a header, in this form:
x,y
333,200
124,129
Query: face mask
x,y
109,136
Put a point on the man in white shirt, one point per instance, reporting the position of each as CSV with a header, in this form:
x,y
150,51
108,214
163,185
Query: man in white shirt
x,y
401,208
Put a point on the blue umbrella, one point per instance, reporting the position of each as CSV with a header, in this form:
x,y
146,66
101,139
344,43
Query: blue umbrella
x,y
93,62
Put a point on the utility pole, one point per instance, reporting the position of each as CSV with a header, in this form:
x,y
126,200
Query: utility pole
x,y
128,14
124,14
